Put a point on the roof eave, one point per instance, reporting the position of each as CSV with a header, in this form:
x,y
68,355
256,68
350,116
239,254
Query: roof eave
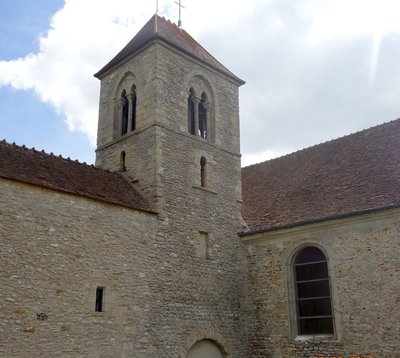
x,y
156,37
317,220
111,66
82,195
227,73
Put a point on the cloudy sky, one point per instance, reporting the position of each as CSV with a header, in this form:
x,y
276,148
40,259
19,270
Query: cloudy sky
x,y
314,69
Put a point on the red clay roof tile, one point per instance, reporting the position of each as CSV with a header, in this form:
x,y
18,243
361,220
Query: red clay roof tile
x,y
38,168
355,173
348,175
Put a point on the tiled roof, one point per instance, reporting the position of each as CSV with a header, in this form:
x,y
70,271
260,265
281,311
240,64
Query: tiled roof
x,y
48,171
158,28
353,174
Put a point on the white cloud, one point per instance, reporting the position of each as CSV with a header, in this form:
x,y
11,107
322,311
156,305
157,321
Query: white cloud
x,y
83,36
310,77
353,17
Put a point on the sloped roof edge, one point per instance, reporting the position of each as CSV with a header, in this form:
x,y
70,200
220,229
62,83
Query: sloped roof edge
x,y
350,174
160,29
30,166
248,232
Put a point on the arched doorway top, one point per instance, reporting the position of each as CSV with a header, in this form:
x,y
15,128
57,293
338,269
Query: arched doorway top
x,y
205,349
205,341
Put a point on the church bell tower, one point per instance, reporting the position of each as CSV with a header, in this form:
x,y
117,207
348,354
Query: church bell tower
x,y
164,82
169,123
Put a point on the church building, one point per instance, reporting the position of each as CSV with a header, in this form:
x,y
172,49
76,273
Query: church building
x,y
166,247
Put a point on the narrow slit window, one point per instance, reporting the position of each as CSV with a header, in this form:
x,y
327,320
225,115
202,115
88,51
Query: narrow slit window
x,y
313,296
203,116
203,173
124,112
203,245
122,164
191,112
133,104
99,299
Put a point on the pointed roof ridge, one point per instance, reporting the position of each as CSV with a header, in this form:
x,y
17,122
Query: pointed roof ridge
x,y
327,142
159,28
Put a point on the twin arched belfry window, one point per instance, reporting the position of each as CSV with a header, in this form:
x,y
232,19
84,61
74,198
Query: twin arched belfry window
x,y
128,110
198,123
198,113
313,294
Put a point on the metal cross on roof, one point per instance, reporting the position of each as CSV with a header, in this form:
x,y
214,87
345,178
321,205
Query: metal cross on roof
x,y
180,6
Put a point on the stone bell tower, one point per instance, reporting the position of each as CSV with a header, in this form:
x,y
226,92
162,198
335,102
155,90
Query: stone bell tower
x,y
169,122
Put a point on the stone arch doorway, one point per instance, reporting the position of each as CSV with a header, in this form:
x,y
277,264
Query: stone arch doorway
x,y
205,349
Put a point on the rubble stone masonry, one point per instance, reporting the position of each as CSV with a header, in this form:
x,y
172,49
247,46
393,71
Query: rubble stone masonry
x,y
364,268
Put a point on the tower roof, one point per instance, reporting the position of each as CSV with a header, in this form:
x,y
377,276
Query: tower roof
x,y
160,29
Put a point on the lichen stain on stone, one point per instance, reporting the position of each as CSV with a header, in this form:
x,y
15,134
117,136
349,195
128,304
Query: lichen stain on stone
x,y
30,329
19,311
281,305
60,291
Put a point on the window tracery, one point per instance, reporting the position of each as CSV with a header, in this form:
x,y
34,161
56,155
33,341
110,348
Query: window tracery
x,y
200,109
125,105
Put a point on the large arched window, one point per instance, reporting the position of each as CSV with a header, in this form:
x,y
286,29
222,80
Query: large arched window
x,y
313,293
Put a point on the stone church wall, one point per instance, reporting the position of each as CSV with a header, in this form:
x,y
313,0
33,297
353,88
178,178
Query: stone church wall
x,y
363,260
139,145
200,288
201,292
56,249
170,280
